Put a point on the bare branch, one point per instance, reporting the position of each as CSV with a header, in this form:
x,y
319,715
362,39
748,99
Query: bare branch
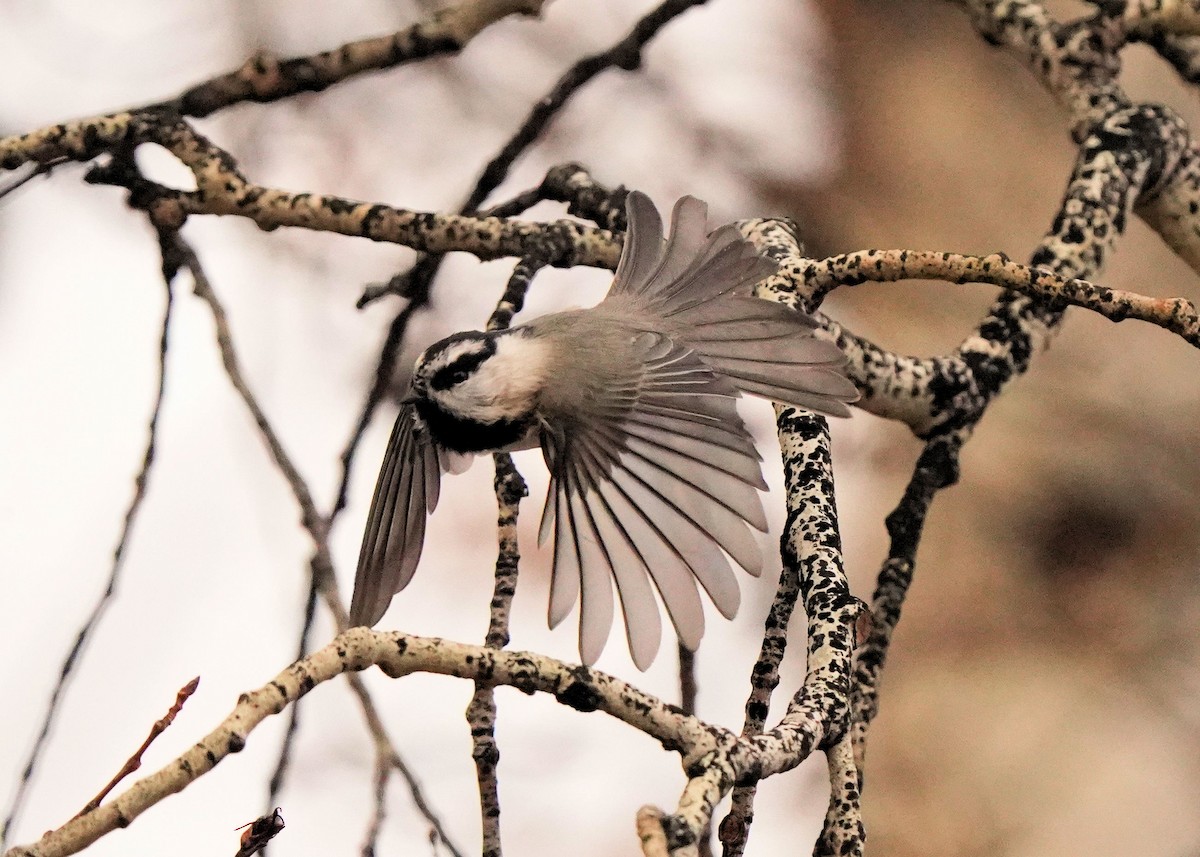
x,y
843,834
264,78
1177,315
141,483
625,54
135,761
314,523
397,654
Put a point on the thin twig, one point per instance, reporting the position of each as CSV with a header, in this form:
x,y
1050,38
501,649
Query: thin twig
x,y
141,484
687,679
687,704
313,522
135,761
279,775
383,773
386,750
385,368
510,488
42,169
625,54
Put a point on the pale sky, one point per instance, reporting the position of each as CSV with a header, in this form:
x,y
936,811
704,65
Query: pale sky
x,y
215,574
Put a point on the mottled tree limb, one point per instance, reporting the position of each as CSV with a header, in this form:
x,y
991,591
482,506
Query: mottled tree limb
x,y
1132,158
397,654
843,833
1178,315
265,78
510,489
1179,17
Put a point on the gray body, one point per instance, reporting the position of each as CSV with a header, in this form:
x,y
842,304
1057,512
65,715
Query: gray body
x,y
654,478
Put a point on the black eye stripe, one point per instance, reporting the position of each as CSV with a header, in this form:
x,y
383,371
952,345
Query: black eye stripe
x,y
459,370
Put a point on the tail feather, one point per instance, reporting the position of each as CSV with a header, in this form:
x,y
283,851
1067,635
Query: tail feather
x,y
700,284
735,310
643,246
692,266
834,406
783,349
689,232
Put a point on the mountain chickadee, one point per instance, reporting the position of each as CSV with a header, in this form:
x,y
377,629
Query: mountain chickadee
x,y
653,476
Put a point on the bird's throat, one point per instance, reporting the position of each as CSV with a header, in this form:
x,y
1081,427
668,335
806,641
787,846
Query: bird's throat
x,y
466,435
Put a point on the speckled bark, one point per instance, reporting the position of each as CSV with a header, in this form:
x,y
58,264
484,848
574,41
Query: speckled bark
x,y
510,489
1132,159
397,654
264,77
222,189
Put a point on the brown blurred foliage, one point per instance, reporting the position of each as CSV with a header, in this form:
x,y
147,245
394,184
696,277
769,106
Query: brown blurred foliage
x,y
1044,692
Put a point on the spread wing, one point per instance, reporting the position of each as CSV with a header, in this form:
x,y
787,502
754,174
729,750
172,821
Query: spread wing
x,y
407,491
662,475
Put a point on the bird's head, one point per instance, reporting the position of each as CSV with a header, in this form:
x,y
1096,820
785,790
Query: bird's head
x,y
483,377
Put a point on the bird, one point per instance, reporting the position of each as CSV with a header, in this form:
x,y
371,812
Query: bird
x,y
654,478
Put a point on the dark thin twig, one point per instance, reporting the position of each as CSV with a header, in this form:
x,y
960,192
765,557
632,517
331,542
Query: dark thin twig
x,y
625,54
311,519
383,773
313,522
687,702
687,679
279,775
510,488
141,482
384,748
135,761
42,169
936,469
384,369
519,204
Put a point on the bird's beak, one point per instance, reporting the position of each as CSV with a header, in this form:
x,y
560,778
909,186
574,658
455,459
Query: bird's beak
x,y
410,397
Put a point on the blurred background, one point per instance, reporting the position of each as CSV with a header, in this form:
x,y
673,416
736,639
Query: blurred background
x,y
1043,690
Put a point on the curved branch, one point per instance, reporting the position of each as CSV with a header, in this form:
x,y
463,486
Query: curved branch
x,y
264,78
1178,315
397,654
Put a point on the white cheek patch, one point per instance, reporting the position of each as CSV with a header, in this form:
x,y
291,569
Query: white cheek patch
x,y
506,385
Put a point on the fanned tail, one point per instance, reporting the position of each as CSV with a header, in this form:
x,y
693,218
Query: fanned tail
x,y
701,284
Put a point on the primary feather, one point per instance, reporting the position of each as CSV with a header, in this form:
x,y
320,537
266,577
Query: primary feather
x,y
654,479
